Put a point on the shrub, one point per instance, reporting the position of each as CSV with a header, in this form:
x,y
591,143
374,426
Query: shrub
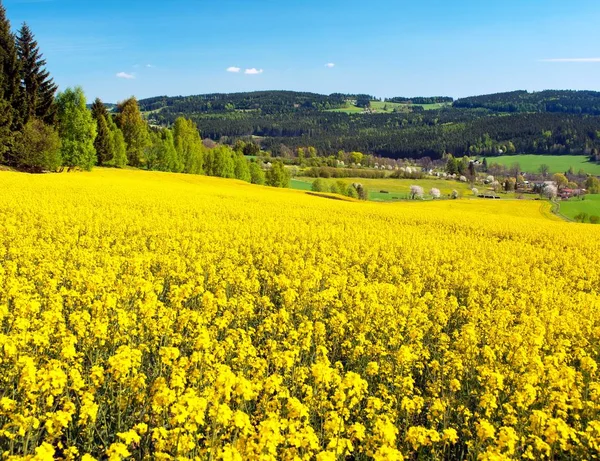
x,y
351,192
318,185
38,147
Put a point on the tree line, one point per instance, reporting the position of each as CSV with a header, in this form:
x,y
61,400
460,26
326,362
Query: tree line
x,y
263,102
558,101
413,134
42,130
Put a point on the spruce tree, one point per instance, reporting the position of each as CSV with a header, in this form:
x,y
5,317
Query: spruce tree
x,y
9,88
103,142
37,88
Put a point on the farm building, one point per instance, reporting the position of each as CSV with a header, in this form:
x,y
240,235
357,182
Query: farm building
x,y
568,193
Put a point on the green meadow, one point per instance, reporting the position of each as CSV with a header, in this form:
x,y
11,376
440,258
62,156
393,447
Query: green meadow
x,y
556,163
589,205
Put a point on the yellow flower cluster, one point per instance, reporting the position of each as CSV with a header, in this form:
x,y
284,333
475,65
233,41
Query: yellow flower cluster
x,y
171,317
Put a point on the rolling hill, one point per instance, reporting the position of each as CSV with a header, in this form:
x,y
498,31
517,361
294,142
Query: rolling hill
x,y
549,122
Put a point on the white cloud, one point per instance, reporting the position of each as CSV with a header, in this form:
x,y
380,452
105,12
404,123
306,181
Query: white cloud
x,y
233,69
571,60
125,75
253,71
330,65
150,66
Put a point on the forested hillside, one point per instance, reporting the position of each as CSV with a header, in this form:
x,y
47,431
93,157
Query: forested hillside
x,y
549,122
563,101
266,102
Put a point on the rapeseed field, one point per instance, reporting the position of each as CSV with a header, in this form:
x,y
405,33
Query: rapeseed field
x,y
170,317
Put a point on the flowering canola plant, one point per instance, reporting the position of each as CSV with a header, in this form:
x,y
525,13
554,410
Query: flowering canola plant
x,y
170,317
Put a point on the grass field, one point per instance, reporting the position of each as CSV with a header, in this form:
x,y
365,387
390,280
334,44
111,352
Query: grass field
x,y
388,107
590,205
349,109
557,163
380,105
300,184
397,189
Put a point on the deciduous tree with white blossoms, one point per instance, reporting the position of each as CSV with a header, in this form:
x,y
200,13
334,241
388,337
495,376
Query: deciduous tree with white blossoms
x,y
435,193
550,191
416,192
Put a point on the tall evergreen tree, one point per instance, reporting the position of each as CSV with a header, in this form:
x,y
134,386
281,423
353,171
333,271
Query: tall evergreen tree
x,y
38,90
9,87
103,142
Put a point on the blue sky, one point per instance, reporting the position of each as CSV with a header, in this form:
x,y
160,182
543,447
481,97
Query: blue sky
x,y
115,49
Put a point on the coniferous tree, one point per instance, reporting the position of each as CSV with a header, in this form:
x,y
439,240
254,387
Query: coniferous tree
x,y
9,88
135,130
103,142
6,137
38,90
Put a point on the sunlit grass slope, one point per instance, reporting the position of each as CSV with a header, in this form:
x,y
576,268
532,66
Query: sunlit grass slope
x,y
556,163
589,205
163,316
391,188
